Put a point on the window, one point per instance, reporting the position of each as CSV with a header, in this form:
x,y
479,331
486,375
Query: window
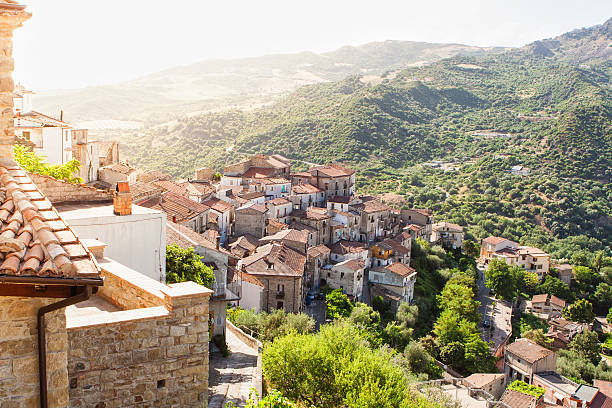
x,y
66,135
279,304
341,275
280,287
26,135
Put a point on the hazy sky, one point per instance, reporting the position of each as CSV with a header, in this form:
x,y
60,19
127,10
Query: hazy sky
x,y
76,43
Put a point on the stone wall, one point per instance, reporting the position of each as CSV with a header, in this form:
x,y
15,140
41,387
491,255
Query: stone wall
x,y
249,223
19,385
59,191
291,298
151,356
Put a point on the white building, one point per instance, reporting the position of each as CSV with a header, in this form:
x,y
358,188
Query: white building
x,y
307,195
50,137
221,213
396,277
344,250
137,241
280,208
274,187
348,276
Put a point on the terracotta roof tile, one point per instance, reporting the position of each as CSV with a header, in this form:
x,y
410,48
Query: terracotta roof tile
x,y
528,350
28,246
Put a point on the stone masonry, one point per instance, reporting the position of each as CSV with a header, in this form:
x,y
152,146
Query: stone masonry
x,y
154,354
59,191
11,17
19,353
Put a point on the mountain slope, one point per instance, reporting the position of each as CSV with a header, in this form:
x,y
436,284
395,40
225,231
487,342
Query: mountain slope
x,y
482,115
211,85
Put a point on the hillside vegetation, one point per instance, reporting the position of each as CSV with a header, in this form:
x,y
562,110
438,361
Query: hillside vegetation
x,y
554,115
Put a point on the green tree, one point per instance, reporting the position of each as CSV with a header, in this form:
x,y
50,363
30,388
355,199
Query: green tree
x,y
609,316
603,297
580,311
274,399
338,304
586,345
555,286
539,337
334,367
34,163
500,279
368,321
185,265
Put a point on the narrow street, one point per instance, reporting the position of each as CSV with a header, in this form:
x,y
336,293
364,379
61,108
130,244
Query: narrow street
x,y
498,313
232,378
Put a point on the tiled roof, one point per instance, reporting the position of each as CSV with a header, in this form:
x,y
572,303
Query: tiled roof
x,y
516,399
343,247
539,298
528,350
396,246
494,240
279,201
305,189
218,205
273,222
318,250
525,250
185,202
444,224
40,120
389,294
250,195
168,185
34,240
399,268
257,172
353,264
253,207
247,241
371,205
199,187
332,170
274,180
415,227
141,190
149,176
119,168
247,277
556,301
301,226
186,238
287,234
480,380
275,259
422,211
340,199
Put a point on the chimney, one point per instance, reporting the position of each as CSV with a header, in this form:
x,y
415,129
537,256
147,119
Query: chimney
x,y
61,116
12,16
122,199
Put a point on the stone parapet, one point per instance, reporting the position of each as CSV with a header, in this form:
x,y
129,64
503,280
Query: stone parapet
x,y
60,191
155,354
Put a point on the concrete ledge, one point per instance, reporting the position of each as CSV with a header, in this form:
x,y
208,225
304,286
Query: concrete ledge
x,y
246,339
124,316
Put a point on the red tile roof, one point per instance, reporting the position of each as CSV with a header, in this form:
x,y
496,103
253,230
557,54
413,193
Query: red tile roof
x,y
187,238
343,247
275,259
185,202
218,205
279,201
305,189
119,168
258,172
333,170
516,399
528,350
399,268
371,205
494,240
34,240
168,185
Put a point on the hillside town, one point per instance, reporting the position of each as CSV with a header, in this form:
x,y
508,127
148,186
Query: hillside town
x,y
92,314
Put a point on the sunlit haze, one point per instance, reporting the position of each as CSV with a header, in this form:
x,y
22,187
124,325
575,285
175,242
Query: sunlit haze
x,y
76,43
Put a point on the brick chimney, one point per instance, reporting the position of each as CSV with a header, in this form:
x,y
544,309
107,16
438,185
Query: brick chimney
x,y
122,199
12,16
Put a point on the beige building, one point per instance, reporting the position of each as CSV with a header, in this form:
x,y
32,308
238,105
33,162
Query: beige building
x,y
259,166
307,195
281,271
316,258
377,219
344,250
116,172
524,358
545,306
533,260
494,384
251,219
316,218
447,234
565,273
348,276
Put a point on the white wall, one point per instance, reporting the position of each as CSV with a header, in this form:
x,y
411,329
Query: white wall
x,y
251,296
138,241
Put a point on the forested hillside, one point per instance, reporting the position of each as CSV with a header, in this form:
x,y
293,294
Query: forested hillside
x,y
480,115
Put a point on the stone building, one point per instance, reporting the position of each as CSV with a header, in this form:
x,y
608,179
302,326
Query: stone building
x,y
222,215
348,276
251,219
421,217
333,179
267,166
524,358
316,258
317,218
343,250
295,239
307,195
281,271
116,172
280,209
494,384
377,219
244,246
87,153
